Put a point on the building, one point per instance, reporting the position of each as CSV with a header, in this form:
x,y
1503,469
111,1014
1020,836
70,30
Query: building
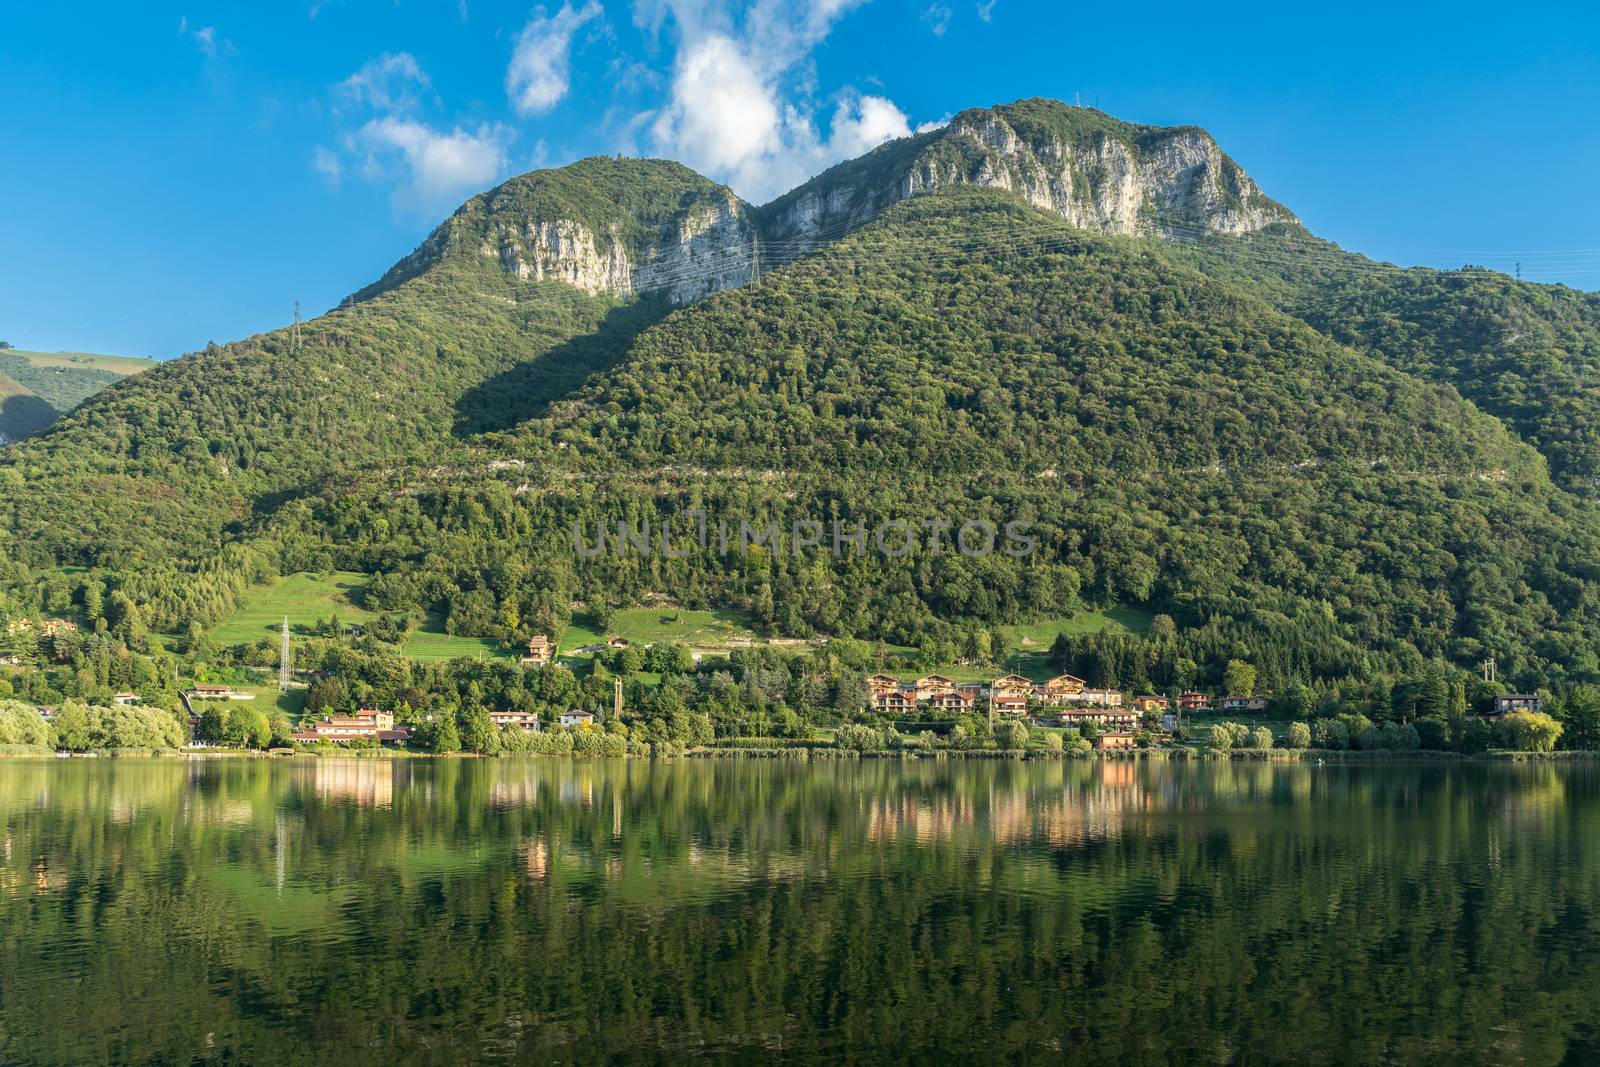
x,y
896,700
954,701
1105,718
1114,741
1192,701
1169,721
366,724
125,700
1507,703
929,684
881,682
617,642
1009,701
1244,703
577,717
521,720
212,692
540,651
1061,688
1150,704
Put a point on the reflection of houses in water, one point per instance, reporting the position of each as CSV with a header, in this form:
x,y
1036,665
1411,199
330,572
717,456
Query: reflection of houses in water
x,y
536,858
370,783
1061,813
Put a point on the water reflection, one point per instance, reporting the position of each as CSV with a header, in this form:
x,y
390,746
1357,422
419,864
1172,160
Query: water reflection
x,y
343,908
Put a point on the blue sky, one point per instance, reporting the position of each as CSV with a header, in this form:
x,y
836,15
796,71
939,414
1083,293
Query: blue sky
x,y
181,174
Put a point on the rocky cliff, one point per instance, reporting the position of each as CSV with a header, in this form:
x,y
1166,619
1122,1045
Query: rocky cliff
x,y
1098,173
617,226
629,226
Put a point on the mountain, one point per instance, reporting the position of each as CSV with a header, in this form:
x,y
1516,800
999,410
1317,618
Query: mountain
x,y
38,387
1036,313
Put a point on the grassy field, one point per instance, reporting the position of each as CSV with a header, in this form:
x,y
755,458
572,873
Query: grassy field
x,y
700,630
432,644
84,361
303,598
307,598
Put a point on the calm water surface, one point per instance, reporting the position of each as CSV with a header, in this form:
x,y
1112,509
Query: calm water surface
x,y
419,911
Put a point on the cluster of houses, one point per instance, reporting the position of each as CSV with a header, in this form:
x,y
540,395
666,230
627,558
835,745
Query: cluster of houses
x,y
1066,699
368,724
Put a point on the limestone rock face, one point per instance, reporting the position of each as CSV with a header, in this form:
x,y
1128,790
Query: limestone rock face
x,y
704,250
1117,178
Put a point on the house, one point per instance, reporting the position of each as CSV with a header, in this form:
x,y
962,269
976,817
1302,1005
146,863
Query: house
x,y
1507,703
1150,704
1192,701
56,627
879,682
1114,741
617,642
540,651
951,700
125,700
1011,683
1244,703
1105,718
521,720
577,717
366,724
901,701
929,684
1008,701
1063,686
211,692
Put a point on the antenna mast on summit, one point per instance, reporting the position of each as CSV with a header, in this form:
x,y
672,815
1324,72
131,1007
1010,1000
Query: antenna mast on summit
x,y
294,338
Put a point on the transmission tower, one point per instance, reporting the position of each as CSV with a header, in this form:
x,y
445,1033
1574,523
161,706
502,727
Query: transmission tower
x,y
1489,666
283,659
294,337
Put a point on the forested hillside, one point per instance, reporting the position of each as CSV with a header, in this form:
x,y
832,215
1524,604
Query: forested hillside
x,y
1333,470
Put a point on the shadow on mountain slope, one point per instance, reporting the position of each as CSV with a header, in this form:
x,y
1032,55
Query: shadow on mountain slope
x,y
23,415
528,389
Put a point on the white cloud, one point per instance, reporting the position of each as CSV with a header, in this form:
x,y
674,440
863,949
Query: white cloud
x,y
327,163
864,124
392,82
440,167
204,37
739,101
986,10
541,64
937,16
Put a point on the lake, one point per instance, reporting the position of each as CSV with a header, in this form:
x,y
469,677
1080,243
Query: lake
x,y
436,911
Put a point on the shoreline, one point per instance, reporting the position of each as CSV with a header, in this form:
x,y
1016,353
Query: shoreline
x,y
809,754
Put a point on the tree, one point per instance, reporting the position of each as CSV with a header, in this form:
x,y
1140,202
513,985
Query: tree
x,y
210,727
858,738
1580,718
477,731
1531,731
1219,736
1012,735
247,728
21,724
1261,738
1297,736
1239,678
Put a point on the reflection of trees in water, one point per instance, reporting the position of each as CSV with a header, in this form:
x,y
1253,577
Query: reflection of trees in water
x,y
307,909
